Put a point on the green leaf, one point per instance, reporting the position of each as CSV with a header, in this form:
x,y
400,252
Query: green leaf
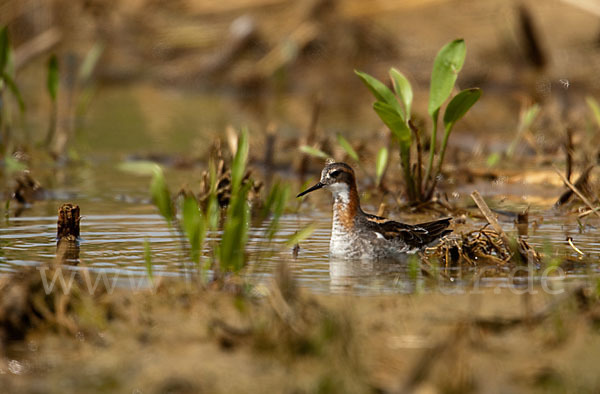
x,y
314,152
394,122
138,167
456,109
161,197
493,159
4,49
380,91
526,119
447,65
529,116
235,231
347,147
381,163
402,133
12,86
148,259
193,226
53,77
459,105
403,90
275,205
301,235
89,62
13,165
238,166
414,267
595,107
212,207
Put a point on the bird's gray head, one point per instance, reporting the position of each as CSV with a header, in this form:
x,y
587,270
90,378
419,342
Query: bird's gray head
x,y
337,177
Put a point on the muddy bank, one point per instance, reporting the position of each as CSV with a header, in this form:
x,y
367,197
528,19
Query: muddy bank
x,y
179,338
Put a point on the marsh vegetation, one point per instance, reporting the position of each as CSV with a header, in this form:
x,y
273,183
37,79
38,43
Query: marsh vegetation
x,y
171,139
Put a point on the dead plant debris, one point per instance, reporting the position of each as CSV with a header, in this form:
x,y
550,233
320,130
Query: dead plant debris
x,y
482,247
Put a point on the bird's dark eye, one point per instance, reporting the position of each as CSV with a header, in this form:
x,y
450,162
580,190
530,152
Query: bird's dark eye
x,y
335,173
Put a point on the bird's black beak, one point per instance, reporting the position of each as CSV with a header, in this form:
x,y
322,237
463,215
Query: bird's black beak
x,y
312,189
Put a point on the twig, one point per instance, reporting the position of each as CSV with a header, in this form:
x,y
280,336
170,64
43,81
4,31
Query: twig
x,y
588,212
580,183
576,191
570,241
489,216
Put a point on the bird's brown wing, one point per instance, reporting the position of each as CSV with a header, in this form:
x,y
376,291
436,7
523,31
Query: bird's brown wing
x,y
418,235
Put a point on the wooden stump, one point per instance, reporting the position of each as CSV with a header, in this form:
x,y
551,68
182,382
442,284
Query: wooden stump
x,y
67,234
68,222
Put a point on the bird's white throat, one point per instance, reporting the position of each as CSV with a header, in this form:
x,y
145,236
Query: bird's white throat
x,y
340,192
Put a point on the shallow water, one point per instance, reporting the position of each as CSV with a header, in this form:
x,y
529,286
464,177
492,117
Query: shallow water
x,y
113,235
118,218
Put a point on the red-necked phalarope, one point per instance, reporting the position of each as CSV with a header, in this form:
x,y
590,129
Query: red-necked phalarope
x,y
359,235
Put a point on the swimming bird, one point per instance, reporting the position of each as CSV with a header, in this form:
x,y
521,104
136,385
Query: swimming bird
x,y
359,235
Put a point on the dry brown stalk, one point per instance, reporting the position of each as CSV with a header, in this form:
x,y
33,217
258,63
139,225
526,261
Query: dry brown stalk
x,y
490,217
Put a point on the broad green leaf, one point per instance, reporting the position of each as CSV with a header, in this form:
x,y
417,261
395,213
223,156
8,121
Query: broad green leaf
x,y
238,166
380,91
459,105
138,167
403,90
595,107
12,86
148,259
53,77
4,48
447,64
394,122
301,235
381,163
314,152
161,197
347,147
